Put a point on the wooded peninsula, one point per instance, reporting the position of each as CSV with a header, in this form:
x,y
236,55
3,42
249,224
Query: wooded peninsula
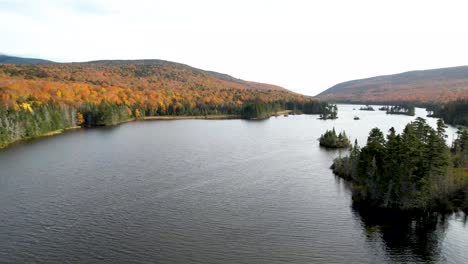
x,y
411,171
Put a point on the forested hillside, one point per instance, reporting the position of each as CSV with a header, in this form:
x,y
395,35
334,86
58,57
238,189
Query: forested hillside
x,y
157,85
438,85
38,98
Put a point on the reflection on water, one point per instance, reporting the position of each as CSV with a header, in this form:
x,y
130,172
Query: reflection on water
x,y
404,237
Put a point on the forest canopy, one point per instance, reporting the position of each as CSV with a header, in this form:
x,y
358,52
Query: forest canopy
x,y
454,113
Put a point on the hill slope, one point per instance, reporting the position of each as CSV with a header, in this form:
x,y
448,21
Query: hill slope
x,y
438,85
156,84
5,59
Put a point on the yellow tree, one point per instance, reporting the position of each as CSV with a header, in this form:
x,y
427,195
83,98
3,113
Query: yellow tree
x,y
79,119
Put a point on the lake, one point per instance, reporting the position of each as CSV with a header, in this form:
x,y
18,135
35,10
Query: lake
x,y
205,191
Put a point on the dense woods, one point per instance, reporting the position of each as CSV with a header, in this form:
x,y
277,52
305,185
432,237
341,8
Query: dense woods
x,y
260,110
32,120
332,140
454,113
414,170
104,114
39,98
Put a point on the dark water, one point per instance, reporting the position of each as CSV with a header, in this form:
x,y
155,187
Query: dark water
x,y
204,191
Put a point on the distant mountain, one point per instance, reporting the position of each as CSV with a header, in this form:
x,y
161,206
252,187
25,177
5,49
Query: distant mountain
x,y
437,85
152,67
5,59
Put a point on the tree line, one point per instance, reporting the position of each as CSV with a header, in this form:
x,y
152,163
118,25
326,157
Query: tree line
x,y
31,118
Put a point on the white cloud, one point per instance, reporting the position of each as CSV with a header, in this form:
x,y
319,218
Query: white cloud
x,y
306,46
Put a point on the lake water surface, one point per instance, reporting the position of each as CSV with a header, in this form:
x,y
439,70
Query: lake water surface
x,y
204,191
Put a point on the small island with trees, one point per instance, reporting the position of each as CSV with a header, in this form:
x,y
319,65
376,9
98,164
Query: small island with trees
x,y
401,110
332,140
414,171
367,108
330,111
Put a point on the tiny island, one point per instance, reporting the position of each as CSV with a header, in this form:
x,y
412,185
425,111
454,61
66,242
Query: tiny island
x,y
367,108
330,111
332,140
399,110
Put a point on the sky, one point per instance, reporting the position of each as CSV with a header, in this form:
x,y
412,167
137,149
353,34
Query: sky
x,y
305,46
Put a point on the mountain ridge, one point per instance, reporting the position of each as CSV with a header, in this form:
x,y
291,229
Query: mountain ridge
x,y
5,59
411,86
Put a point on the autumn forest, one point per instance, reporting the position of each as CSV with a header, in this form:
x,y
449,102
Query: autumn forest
x,y
39,98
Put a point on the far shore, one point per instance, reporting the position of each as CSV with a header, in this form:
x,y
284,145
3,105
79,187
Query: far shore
x,y
182,117
209,117
168,117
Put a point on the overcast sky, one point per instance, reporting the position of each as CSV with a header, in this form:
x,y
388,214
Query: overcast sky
x,y
305,46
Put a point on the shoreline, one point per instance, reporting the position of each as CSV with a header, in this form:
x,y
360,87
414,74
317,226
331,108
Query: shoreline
x,y
186,117
205,117
55,132
146,118
47,134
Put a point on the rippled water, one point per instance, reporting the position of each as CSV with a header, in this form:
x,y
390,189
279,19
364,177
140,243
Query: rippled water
x,y
205,191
